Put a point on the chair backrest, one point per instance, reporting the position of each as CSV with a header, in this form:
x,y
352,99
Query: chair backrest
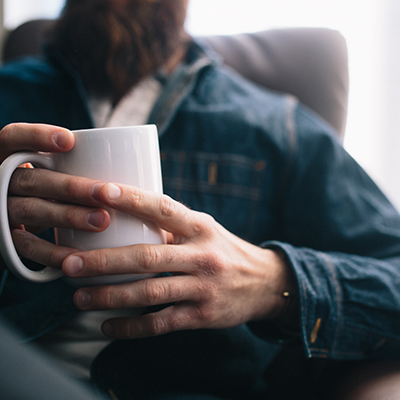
x,y
310,63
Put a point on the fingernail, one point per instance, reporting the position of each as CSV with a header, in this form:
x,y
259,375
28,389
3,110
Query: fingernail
x,y
73,265
62,138
108,329
83,299
96,218
113,191
95,190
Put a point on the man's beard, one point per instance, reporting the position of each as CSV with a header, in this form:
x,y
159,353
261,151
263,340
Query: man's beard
x,y
112,48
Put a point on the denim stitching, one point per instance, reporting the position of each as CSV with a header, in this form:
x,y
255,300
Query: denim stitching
x,y
338,299
226,159
258,174
225,189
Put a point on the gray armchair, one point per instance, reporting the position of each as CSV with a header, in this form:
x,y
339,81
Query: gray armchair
x,y
310,63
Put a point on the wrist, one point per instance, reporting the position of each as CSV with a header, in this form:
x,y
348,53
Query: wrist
x,y
286,312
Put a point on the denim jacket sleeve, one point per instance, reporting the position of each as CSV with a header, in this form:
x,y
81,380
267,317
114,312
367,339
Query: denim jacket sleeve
x,y
344,248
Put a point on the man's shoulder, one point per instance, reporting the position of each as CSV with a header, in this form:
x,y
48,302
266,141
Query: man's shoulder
x,y
224,79
36,90
33,70
223,95
223,86
238,100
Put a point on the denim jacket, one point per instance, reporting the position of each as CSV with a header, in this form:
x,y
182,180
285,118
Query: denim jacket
x,y
267,169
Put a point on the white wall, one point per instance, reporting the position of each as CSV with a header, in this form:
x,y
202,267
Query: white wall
x,y
384,142
18,11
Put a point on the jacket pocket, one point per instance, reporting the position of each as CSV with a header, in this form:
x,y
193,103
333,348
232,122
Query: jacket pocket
x,y
226,186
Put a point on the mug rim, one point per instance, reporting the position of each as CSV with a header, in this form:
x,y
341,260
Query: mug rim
x,y
110,128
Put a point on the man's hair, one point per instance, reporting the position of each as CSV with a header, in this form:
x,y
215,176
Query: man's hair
x,y
111,47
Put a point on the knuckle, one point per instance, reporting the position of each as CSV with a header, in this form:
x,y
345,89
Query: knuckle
x,y
202,223
106,297
155,325
168,207
25,247
214,260
210,295
181,320
155,292
125,298
68,216
53,259
211,264
24,180
208,219
149,257
135,199
176,292
204,315
101,264
127,330
209,291
24,208
71,186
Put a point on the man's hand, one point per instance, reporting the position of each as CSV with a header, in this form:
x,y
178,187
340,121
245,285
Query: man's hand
x,y
39,198
34,137
218,280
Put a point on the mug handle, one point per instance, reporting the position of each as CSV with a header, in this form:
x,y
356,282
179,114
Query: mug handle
x,y
7,248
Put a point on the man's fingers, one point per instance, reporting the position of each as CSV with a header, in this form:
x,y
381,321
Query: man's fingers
x,y
134,259
39,212
167,213
143,293
38,250
34,137
38,182
170,319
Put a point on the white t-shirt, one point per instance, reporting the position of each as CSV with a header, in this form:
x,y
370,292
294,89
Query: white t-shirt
x,y
77,342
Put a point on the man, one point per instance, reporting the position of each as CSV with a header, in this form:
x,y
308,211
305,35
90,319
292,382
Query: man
x,y
286,239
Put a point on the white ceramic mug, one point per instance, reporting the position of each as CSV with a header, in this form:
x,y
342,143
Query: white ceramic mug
x,y
127,155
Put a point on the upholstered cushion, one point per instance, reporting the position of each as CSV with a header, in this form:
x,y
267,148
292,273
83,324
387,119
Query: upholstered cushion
x,y
310,63
25,40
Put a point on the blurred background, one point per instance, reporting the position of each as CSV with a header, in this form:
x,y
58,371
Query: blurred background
x,y
372,33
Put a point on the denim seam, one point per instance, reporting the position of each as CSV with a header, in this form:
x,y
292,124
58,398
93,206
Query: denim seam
x,y
290,123
239,191
338,299
222,158
316,351
304,316
255,187
291,130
